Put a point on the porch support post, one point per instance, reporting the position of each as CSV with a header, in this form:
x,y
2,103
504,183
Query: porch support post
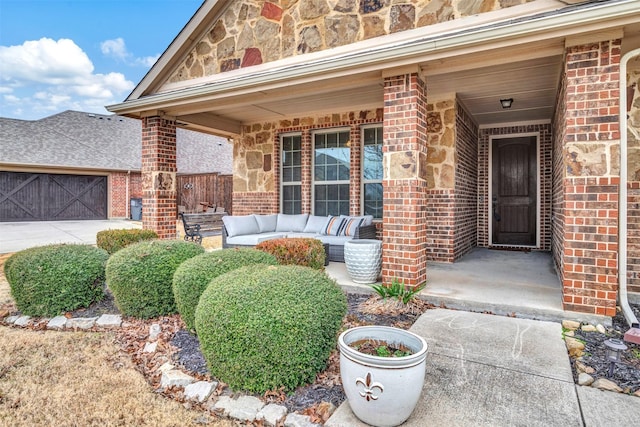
x,y
589,263
159,176
404,181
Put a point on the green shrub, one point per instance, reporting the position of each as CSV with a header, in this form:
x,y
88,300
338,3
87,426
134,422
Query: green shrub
x,y
265,327
398,290
193,276
305,252
50,280
114,240
141,274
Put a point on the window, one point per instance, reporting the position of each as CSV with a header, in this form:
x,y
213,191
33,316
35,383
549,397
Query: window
x,y
332,163
291,173
372,171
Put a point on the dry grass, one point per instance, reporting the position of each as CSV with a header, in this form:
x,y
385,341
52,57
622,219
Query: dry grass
x,y
70,379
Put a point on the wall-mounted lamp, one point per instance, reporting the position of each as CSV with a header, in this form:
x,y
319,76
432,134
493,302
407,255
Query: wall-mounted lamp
x,y
188,186
506,103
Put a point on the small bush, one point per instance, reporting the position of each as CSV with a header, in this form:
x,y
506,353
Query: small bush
x,y
50,280
305,252
141,274
114,240
266,327
193,276
399,291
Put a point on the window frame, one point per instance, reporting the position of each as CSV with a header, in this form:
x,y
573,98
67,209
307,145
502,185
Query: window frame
x,y
334,130
282,167
364,181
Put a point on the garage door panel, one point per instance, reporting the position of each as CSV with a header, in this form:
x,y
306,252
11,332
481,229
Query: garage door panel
x,y
50,197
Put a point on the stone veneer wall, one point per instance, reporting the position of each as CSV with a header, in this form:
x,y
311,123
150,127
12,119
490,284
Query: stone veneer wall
x,y
256,157
545,135
633,180
252,32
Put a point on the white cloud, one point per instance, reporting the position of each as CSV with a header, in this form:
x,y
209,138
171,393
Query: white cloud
x,y
45,75
115,48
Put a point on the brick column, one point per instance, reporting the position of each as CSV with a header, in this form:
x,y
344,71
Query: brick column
x,y
404,183
159,176
590,186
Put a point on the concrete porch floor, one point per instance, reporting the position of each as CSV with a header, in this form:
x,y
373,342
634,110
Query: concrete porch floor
x,y
523,284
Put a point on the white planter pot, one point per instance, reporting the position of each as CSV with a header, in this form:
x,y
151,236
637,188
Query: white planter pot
x,y
382,391
363,258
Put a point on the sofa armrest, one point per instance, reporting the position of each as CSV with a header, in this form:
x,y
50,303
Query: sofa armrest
x,y
365,232
224,237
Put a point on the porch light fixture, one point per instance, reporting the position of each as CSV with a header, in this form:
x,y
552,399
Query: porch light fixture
x,y
506,103
615,347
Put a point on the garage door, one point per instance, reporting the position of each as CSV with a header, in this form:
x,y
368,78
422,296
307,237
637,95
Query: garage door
x,y
51,197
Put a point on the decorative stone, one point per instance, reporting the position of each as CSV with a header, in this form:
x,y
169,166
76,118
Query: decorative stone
x,y
109,321
434,122
11,319
81,322
150,347
312,9
22,321
271,11
370,6
272,414
569,333
57,323
570,324
574,346
341,30
175,378
581,367
154,331
218,33
588,328
3,313
244,408
310,40
402,17
200,390
585,379
229,64
252,56
166,367
345,6
601,329
297,420
605,384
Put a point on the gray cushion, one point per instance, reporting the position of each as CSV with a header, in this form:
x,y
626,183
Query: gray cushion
x,y
291,222
267,223
333,240
315,224
253,239
240,225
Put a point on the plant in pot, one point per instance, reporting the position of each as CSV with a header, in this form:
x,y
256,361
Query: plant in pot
x,y
382,370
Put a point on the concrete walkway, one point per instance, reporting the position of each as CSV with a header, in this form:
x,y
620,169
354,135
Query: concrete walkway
x,y
16,236
487,370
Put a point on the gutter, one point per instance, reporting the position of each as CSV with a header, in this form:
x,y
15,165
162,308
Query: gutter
x,y
407,46
633,334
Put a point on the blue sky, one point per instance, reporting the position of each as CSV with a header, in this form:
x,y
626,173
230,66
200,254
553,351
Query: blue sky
x,y
58,55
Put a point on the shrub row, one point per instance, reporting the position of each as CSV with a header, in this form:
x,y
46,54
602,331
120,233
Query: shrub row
x,y
114,240
296,251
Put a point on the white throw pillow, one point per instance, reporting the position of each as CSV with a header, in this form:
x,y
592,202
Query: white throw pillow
x,y
288,222
240,225
315,224
267,223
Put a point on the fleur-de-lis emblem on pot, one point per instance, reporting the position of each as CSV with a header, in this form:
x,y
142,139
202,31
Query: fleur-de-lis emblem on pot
x,y
369,387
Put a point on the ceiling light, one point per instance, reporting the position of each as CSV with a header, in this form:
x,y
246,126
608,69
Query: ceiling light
x,y
506,103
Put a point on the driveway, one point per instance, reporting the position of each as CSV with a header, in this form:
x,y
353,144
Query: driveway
x,y
16,236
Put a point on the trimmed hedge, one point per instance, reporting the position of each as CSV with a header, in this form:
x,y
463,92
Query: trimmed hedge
x,y
140,276
266,327
303,251
49,280
114,240
193,276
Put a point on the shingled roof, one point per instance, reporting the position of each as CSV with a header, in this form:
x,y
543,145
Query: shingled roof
x,y
79,140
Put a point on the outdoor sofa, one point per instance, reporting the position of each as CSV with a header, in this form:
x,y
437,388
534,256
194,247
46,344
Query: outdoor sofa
x,y
249,230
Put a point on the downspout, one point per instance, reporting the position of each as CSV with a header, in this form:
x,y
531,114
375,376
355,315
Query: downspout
x,y
623,298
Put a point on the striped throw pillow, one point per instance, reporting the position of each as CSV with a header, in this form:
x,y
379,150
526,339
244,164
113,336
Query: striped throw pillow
x,y
350,225
333,226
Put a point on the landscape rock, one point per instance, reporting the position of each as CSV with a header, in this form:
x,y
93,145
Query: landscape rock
x,y
150,347
3,313
166,367
570,324
200,390
574,346
57,323
81,322
588,328
585,379
11,319
601,329
581,367
22,321
297,420
154,332
272,414
175,378
605,384
245,408
109,321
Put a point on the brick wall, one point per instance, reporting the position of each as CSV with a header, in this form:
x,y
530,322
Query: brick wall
x,y
404,185
123,187
591,182
159,176
559,173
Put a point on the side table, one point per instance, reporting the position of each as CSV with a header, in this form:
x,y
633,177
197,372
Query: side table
x,y
363,258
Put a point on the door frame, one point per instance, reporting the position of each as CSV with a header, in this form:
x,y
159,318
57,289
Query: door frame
x,y
488,209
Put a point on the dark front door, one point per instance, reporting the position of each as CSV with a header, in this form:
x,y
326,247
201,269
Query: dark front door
x,y
514,198
50,197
